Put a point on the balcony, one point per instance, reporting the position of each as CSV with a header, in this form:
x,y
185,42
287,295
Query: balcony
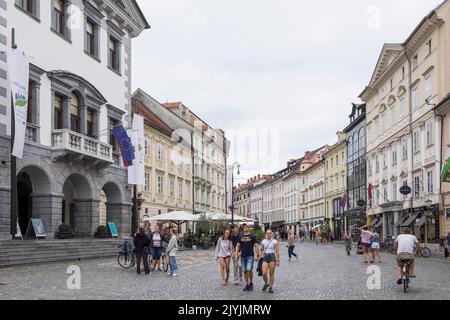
x,y
79,147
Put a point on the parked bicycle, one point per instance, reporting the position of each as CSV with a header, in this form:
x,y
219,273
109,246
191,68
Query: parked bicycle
x,y
126,258
424,251
388,246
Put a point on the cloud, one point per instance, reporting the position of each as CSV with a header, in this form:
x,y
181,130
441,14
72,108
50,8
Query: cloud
x,y
290,65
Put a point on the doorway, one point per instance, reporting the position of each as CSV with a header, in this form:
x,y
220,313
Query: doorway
x,y
24,201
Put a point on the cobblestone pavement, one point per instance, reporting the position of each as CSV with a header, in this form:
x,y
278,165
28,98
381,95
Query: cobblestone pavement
x,y
321,273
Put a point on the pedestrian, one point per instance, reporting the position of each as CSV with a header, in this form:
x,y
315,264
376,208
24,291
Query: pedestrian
x,y
237,266
291,245
172,249
246,247
375,246
317,236
331,237
447,240
348,242
141,244
366,236
224,250
156,244
270,253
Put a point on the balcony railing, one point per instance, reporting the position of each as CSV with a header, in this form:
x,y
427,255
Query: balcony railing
x,y
32,132
77,143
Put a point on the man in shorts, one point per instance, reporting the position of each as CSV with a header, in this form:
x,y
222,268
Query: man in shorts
x,y
406,245
366,237
237,267
247,246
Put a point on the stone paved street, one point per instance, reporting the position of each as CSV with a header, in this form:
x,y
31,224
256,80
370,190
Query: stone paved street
x,y
321,273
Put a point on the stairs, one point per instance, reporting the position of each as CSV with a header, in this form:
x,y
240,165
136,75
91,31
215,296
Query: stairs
x,y
19,253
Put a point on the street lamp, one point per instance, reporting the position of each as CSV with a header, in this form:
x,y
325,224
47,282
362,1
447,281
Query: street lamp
x,y
238,166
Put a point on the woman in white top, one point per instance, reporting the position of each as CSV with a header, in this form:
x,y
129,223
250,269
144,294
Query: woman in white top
x,y
270,251
223,254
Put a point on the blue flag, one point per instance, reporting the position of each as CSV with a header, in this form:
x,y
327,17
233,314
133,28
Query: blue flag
x,y
125,145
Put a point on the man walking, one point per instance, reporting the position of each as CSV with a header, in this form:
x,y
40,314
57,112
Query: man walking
x,y
237,267
247,246
141,244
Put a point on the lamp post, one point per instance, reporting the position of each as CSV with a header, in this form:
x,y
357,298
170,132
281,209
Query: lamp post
x,y
428,204
238,166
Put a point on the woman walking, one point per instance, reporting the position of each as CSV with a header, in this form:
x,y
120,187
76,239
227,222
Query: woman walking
x,y
270,252
223,255
375,246
348,242
291,245
172,252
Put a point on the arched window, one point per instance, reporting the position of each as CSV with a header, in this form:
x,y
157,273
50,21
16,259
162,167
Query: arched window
x,y
75,113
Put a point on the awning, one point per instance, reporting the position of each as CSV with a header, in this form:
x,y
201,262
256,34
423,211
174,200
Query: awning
x,y
277,224
421,222
410,219
400,220
445,171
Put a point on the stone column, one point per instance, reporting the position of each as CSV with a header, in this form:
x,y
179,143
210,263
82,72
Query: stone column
x,y
48,207
120,214
396,217
66,113
86,217
5,212
83,119
385,225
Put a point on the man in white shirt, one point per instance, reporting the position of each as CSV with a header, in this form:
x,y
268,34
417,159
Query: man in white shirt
x,y
406,245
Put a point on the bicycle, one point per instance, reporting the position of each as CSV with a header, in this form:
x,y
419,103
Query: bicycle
x,y
424,251
163,259
127,257
405,274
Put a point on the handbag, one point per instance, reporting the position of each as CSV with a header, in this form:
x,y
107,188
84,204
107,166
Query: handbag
x,y
261,261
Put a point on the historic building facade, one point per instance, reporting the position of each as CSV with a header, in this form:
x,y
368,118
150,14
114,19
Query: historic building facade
x,y
71,166
241,201
168,166
404,135
336,184
256,197
355,213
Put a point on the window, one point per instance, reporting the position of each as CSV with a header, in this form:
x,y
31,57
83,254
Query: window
x,y
58,112
74,113
405,148
429,134
394,157
429,48
180,189
160,184
113,54
430,187
30,102
417,187
416,142
30,6
146,147
59,17
403,73
429,87
394,191
160,152
377,164
172,187
415,62
90,123
392,84
91,45
112,141
147,182
402,106
415,98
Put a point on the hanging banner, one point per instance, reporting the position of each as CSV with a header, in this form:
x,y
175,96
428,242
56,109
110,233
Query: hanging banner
x,y
18,67
136,172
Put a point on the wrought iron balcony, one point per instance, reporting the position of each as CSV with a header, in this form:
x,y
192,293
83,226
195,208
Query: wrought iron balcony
x,y
80,147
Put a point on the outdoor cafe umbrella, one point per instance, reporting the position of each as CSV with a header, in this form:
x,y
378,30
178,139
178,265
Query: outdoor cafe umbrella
x,y
220,216
177,217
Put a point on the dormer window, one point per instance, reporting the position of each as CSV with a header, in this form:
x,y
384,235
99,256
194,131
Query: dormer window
x,y
428,47
415,62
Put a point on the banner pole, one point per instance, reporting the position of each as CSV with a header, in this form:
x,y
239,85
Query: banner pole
x,y
13,223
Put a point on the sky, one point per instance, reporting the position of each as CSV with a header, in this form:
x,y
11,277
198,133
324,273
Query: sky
x,y
278,76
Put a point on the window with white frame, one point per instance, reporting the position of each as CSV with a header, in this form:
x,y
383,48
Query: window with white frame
x,y
429,87
430,186
416,141
415,97
394,191
377,164
417,187
180,189
160,150
147,147
429,47
405,148
394,157
429,134
147,181
160,184
415,62
171,187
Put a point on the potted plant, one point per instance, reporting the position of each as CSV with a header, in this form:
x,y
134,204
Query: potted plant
x,y
102,232
65,231
206,242
188,241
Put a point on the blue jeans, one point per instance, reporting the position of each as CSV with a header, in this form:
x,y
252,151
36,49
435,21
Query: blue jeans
x,y
247,263
291,251
173,265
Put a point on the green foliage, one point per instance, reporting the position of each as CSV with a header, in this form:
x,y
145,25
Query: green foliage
x,y
204,226
65,228
102,229
258,232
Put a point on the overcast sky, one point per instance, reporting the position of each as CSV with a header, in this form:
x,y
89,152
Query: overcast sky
x,y
290,66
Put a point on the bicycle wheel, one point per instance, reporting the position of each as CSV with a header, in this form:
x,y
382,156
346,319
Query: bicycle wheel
x,y
405,279
425,252
164,263
124,260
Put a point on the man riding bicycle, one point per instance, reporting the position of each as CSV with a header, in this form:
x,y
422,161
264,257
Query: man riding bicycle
x,y
406,246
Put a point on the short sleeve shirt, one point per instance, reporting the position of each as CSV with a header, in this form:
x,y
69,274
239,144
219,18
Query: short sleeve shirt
x,y
406,243
235,240
366,236
247,244
269,245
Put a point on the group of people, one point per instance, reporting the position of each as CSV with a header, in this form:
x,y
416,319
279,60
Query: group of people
x,y
244,250
151,242
321,236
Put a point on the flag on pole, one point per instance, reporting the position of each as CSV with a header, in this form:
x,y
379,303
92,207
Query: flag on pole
x,y
19,70
369,192
136,172
125,145
343,201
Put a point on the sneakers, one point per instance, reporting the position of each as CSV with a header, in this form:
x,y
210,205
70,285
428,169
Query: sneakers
x,y
399,281
175,275
266,286
247,288
250,287
236,282
270,290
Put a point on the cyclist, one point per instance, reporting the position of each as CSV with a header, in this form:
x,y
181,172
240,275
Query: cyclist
x,y
406,245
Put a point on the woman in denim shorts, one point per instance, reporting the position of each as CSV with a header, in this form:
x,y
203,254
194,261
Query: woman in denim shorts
x,y
270,251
